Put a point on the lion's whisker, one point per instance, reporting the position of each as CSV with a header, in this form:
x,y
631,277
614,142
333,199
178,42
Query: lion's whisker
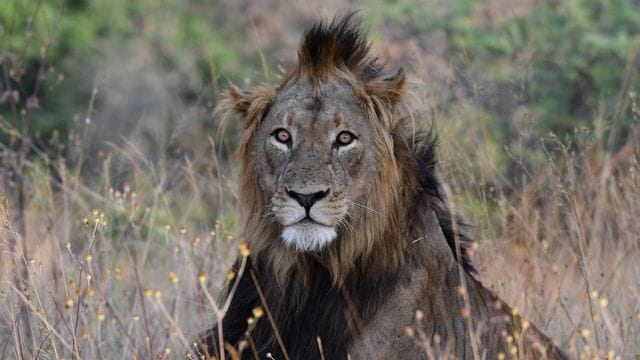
x,y
344,224
367,208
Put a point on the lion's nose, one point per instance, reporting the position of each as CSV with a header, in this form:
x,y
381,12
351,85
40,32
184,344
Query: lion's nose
x,y
307,200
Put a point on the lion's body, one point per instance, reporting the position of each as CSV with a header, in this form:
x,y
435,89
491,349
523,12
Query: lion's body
x,y
353,250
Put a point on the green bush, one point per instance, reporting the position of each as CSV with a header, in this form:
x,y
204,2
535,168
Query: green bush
x,y
72,39
575,52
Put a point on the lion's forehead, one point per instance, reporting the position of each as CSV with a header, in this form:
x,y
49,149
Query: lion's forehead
x,y
302,102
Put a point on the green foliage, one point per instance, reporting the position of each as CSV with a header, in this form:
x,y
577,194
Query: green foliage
x,y
575,52
71,40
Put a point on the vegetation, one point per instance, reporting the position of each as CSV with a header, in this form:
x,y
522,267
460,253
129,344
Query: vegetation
x,y
117,188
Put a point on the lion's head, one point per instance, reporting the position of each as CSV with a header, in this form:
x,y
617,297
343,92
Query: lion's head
x,y
322,157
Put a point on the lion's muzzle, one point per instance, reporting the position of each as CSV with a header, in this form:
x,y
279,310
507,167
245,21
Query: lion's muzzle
x,y
307,218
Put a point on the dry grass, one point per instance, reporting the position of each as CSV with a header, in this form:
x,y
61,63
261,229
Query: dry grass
x,y
113,272
563,248
560,240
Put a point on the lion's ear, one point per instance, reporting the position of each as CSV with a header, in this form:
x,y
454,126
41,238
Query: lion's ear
x,y
250,105
237,100
390,90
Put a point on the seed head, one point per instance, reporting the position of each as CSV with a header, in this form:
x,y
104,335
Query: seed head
x,y
257,312
244,249
509,339
173,277
465,312
409,331
202,277
230,274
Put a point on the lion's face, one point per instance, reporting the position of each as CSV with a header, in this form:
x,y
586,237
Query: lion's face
x,y
315,160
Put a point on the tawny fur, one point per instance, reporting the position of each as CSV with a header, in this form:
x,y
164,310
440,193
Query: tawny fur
x,y
401,252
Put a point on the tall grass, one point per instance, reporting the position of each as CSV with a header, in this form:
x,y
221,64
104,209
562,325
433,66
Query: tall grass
x,y
560,240
114,272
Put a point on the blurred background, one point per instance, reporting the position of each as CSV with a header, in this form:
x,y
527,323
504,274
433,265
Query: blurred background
x,y
113,161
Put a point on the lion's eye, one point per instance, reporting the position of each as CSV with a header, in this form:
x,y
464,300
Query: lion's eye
x,y
345,138
282,136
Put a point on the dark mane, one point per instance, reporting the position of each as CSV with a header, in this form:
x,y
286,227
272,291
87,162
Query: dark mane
x,y
424,152
340,44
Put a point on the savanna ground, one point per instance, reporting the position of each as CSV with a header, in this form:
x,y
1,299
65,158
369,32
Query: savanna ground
x,y
118,184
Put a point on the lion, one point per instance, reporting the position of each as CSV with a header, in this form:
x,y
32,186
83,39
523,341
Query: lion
x,y
354,251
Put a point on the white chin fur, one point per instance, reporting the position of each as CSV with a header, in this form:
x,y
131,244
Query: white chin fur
x,y
308,236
